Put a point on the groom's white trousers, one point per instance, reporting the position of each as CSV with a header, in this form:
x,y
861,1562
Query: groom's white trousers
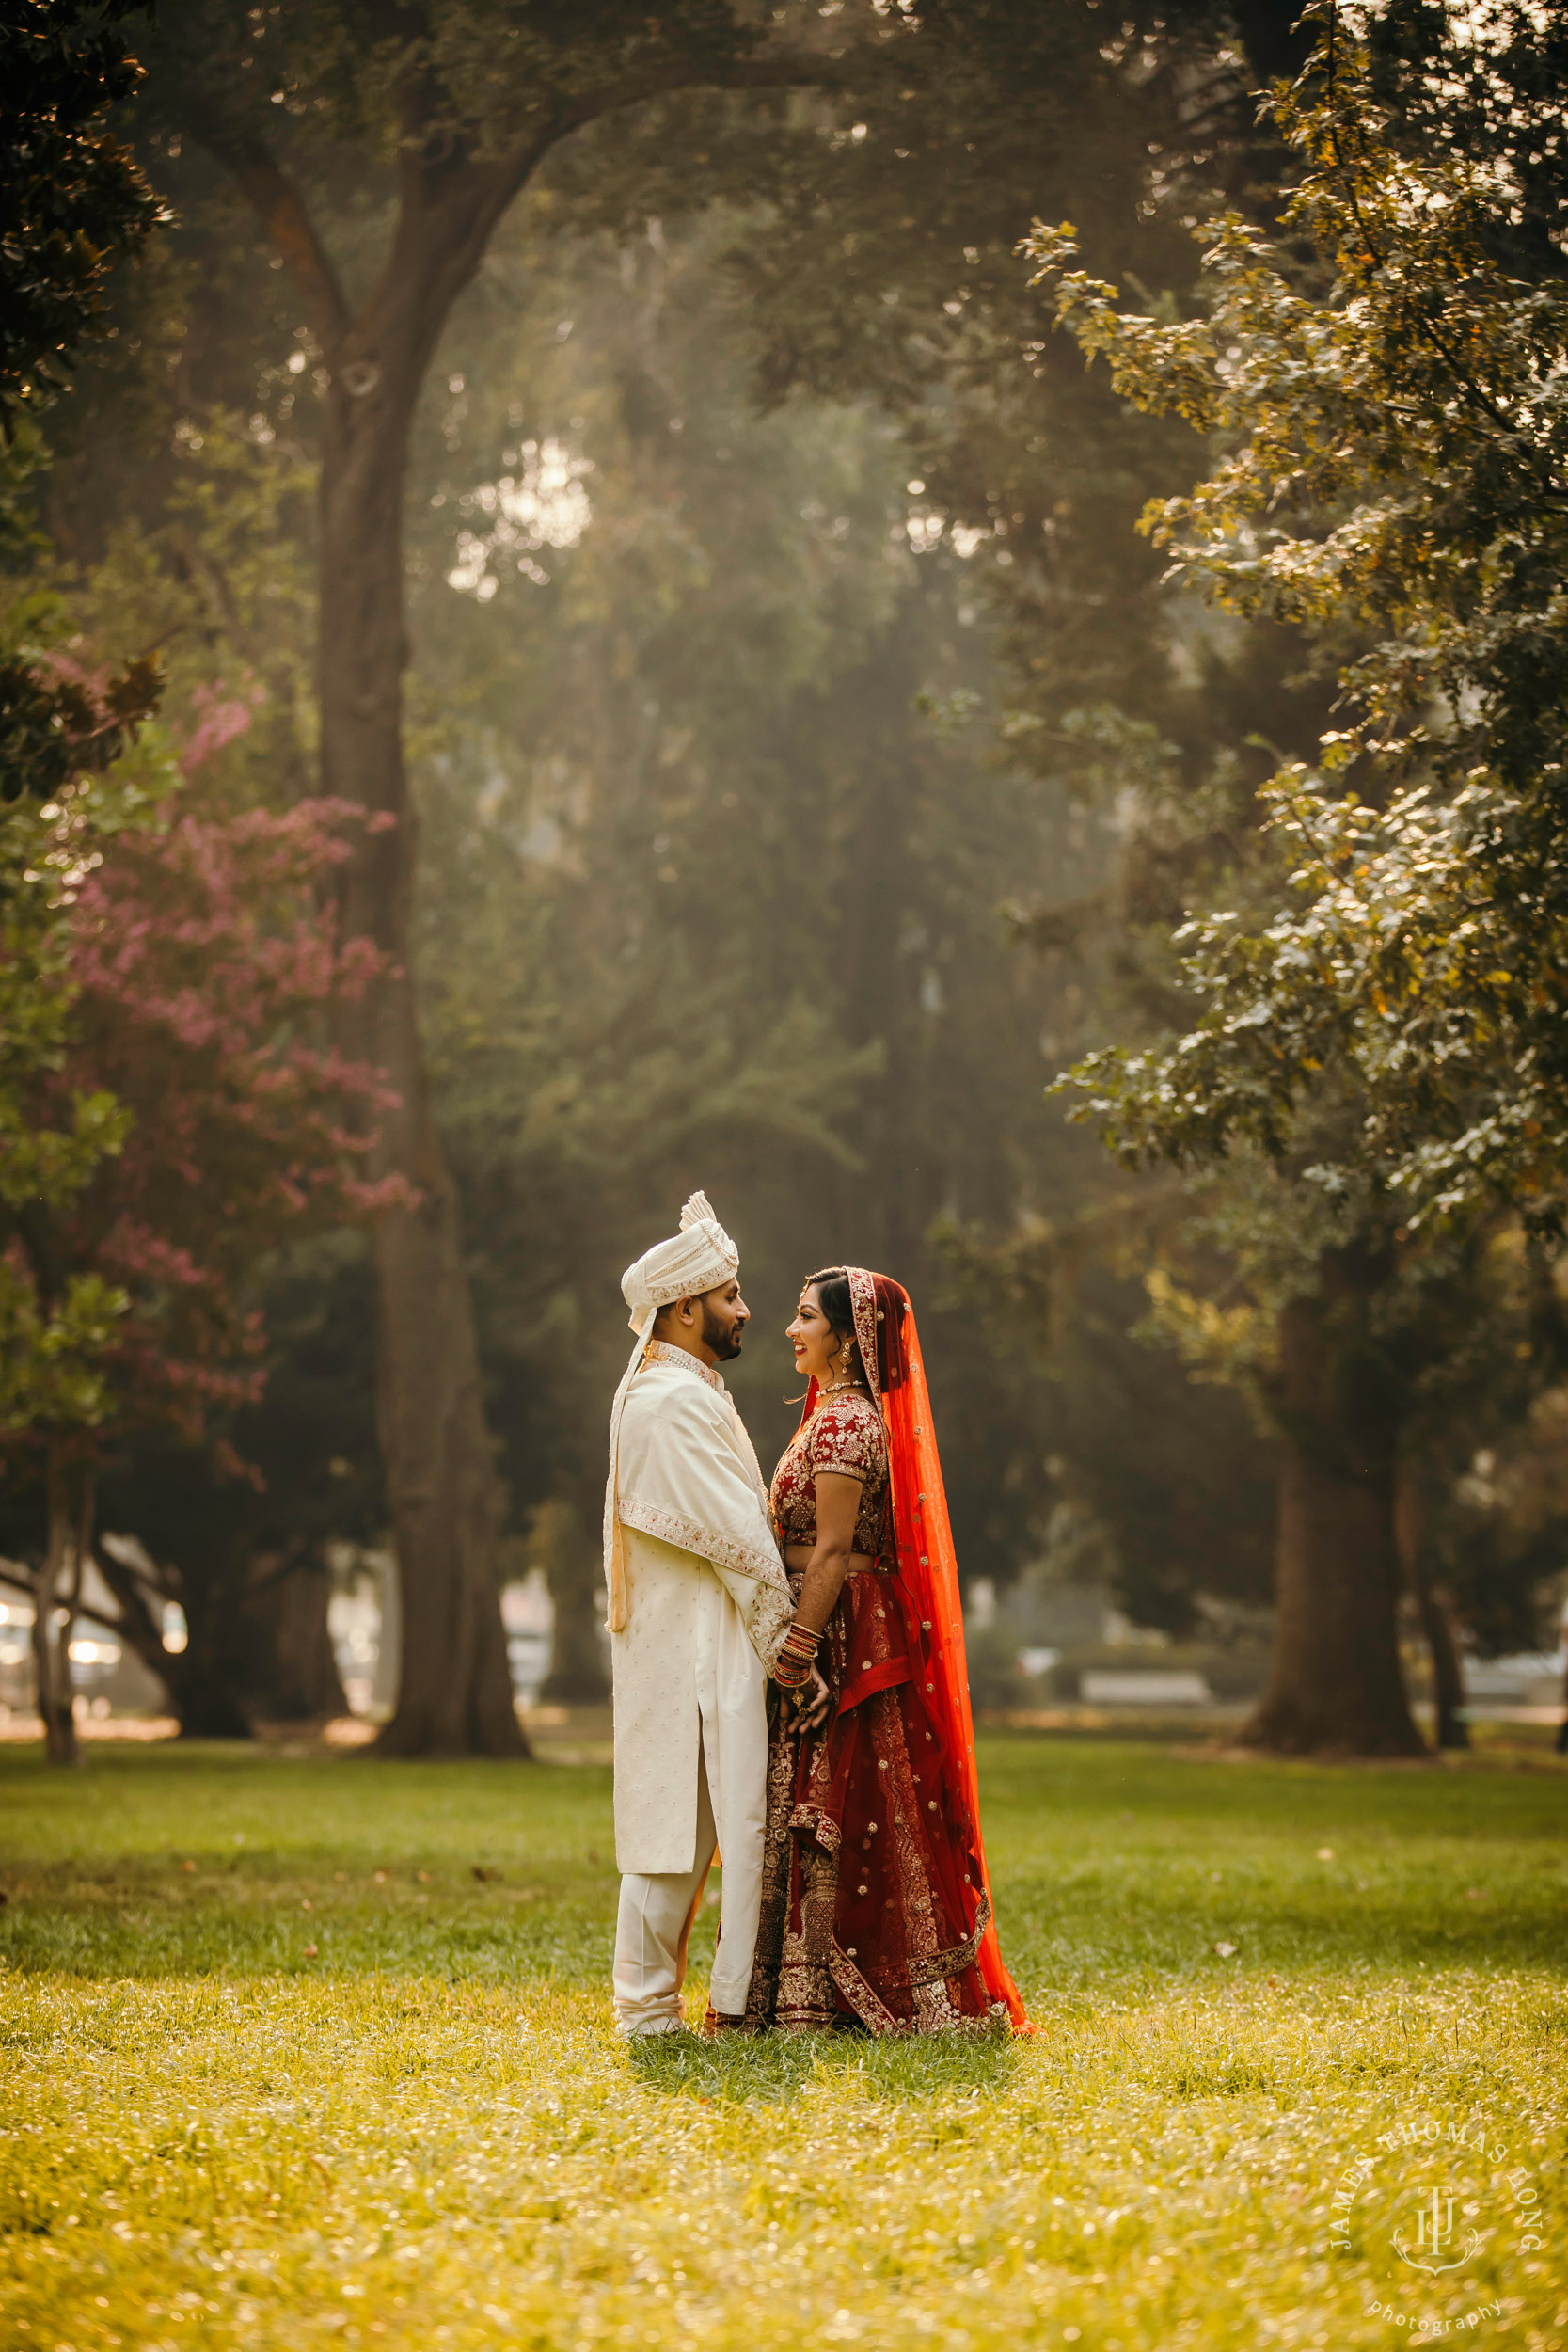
x,y
652,1930
725,1695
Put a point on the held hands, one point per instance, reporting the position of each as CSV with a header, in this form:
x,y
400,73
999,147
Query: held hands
x,y
795,1672
811,1702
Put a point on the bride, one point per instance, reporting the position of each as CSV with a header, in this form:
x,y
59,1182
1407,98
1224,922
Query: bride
x,y
875,1907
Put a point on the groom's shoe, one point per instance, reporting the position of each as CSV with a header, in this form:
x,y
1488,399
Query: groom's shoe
x,y
716,2021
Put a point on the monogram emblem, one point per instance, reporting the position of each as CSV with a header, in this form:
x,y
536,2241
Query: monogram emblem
x,y
1435,2236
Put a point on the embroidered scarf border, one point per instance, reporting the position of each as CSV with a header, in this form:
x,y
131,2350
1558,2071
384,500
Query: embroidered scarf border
x,y
650,1518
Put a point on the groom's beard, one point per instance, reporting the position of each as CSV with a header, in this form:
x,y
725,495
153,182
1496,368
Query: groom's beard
x,y
724,1338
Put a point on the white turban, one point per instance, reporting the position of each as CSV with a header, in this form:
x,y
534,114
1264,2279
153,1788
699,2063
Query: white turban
x,y
699,1258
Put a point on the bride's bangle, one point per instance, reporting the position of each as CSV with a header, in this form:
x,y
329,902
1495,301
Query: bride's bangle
x,y
797,1657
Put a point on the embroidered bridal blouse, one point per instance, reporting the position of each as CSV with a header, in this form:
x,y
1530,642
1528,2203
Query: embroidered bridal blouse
x,y
845,1434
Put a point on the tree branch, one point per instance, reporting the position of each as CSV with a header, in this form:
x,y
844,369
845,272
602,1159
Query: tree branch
x,y
1471,392
781,72
138,1625
286,218
16,1580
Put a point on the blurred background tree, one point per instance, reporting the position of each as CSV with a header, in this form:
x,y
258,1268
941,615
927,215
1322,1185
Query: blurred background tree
x,y
1371,1034
382,187
803,758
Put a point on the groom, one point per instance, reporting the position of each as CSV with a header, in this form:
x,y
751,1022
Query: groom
x,y
698,1607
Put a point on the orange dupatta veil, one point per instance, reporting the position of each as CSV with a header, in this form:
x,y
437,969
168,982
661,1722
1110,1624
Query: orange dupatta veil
x,y
927,1565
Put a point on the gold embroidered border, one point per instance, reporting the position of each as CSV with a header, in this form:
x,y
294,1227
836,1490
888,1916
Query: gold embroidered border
x,y
773,1616
868,2006
958,1956
651,1518
660,1352
824,1829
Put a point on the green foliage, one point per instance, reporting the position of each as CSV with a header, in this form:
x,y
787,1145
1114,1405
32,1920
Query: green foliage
x,y
702,890
53,1364
71,203
55,1339
1394,463
405,2106
169,531
696,882
72,200
54,729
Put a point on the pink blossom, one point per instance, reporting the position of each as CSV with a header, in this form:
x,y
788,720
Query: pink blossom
x,y
220,722
206,957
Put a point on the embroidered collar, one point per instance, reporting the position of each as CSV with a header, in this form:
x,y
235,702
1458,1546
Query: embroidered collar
x,y
660,1352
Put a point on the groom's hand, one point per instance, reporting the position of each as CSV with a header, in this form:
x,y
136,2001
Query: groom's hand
x,y
811,1707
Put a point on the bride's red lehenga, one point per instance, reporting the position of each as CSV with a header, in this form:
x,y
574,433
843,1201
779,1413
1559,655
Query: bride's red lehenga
x,y
875,1905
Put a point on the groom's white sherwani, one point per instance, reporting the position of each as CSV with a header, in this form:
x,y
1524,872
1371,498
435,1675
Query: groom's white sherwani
x,y
704,1605
707,1605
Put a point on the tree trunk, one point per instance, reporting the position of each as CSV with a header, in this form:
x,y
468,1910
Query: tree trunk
x,y
200,1679
205,1679
290,1666
455,1693
455,1689
71,1487
1336,1686
208,1706
69,1497
574,1569
1448,1670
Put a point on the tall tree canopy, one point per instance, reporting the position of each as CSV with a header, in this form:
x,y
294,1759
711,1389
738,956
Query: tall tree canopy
x,y
443,117
1396,468
73,201
1376,1013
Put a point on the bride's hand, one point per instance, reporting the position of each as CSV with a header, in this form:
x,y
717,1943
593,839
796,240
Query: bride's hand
x,y
810,1705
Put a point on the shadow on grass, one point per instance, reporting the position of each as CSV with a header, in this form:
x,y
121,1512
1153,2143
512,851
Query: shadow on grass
x,y
775,2069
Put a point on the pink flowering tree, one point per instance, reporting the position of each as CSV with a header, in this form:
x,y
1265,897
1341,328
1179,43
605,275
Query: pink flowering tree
x,y
196,1116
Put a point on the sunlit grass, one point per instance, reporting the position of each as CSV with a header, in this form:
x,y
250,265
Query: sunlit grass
x,y
256,2094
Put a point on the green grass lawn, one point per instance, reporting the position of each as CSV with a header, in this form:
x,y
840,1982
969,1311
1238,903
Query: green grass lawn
x,y
318,2052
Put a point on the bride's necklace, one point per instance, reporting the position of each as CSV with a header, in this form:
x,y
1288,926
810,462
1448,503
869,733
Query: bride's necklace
x,y
833,1387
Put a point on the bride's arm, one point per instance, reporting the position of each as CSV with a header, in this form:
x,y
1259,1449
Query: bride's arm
x,y
838,1499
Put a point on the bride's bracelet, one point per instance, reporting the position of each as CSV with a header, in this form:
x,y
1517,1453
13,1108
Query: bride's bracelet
x,y
797,1657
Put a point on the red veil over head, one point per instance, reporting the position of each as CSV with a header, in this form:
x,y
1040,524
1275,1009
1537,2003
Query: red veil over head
x,y
927,1565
